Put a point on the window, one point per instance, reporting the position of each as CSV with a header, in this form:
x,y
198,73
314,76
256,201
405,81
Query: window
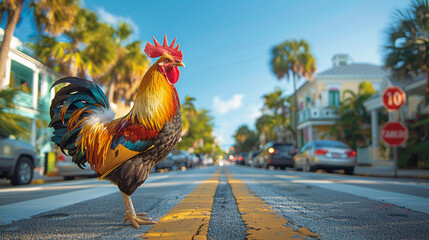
x,y
307,101
334,97
21,77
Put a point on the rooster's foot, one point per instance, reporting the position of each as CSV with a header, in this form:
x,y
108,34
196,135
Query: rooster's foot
x,y
136,221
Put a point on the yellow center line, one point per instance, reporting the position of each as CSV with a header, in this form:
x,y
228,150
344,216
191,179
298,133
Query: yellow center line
x,y
191,217
261,221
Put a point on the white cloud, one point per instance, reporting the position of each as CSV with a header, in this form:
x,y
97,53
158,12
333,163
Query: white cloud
x,y
254,112
223,107
114,21
219,140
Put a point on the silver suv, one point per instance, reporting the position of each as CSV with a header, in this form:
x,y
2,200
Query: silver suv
x,y
17,161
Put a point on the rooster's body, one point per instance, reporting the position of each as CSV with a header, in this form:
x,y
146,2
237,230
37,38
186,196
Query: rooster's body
x,y
122,150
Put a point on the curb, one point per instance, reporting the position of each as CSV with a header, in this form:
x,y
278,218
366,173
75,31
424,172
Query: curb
x,y
426,177
37,181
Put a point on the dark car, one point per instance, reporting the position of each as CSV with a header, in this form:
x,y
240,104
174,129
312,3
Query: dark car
x,y
241,158
168,163
277,155
327,155
182,158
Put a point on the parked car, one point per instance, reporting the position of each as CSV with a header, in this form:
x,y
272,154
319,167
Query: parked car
x,y
327,155
275,155
250,157
241,158
168,163
17,161
198,159
183,158
69,170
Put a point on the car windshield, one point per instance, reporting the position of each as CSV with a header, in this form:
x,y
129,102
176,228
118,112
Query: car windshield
x,y
333,144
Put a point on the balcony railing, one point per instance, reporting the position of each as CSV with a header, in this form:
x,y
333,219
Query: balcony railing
x,y
24,100
317,113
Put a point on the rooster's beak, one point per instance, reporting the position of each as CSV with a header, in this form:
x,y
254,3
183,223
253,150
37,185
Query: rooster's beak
x,y
179,64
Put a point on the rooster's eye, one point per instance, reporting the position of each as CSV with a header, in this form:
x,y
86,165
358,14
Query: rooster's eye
x,y
167,60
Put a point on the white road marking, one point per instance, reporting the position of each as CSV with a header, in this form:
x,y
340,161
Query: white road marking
x,y
415,203
26,209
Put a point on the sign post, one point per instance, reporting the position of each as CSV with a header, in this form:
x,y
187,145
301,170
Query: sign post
x,y
393,133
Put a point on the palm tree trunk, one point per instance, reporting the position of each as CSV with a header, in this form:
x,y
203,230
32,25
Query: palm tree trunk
x,y
12,21
295,115
427,84
111,90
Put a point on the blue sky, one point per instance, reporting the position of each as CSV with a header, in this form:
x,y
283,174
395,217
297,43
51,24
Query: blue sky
x,y
227,44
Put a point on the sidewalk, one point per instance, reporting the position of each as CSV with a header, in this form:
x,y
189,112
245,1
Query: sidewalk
x,y
388,171
38,178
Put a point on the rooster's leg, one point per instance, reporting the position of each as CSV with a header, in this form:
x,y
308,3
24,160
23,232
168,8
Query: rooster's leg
x,y
130,213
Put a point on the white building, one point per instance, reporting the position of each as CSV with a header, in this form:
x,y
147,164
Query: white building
x,y
317,99
33,79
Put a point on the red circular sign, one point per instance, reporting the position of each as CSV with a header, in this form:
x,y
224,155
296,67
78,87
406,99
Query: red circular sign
x,y
394,133
393,98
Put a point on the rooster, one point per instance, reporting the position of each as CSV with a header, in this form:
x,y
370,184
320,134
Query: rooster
x,y
122,150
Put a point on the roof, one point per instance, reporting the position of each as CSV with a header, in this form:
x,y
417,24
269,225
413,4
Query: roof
x,y
354,69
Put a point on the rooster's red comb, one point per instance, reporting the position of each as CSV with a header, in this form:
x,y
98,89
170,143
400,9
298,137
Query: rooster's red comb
x,y
157,50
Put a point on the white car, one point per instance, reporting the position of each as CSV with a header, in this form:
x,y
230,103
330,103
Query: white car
x,y
17,161
69,170
327,155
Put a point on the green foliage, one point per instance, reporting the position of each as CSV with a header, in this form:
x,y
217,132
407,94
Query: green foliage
x,y
416,155
95,48
265,126
293,57
353,124
408,42
10,123
199,127
273,125
245,139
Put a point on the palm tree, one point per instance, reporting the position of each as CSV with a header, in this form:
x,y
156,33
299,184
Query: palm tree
x,y
70,57
408,42
353,124
130,68
10,123
121,76
279,104
189,106
277,101
189,112
265,125
292,58
52,16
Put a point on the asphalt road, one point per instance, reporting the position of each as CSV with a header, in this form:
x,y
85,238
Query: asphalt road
x,y
230,202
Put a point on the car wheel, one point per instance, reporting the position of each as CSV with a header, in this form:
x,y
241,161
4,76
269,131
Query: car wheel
x,y
349,171
23,172
174,168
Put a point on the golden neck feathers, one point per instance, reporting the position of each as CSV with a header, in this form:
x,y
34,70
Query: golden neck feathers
x,y
156,100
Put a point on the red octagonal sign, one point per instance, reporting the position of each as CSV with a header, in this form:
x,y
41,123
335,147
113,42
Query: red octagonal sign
x,y
394,133
393,98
